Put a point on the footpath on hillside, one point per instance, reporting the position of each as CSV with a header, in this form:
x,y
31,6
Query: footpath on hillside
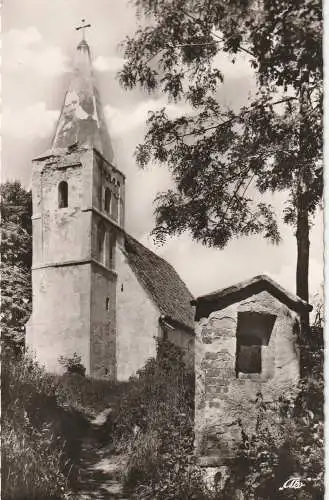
x,y
100,471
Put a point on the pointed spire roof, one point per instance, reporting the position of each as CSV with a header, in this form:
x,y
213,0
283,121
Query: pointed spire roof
x,y
82,120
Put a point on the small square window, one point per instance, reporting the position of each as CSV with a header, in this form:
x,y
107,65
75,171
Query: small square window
x,y
253,331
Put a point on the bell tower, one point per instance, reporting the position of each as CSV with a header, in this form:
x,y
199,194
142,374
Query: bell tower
x,y
78,219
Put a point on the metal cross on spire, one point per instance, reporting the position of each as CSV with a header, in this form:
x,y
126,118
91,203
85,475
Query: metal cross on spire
x,y
83,28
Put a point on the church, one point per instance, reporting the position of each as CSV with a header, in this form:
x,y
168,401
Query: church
x,y
97,291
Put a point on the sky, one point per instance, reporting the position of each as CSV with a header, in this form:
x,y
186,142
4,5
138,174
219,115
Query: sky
x,y
39,41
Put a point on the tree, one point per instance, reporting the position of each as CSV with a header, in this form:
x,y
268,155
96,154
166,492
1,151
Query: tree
x,y
16,260
217,155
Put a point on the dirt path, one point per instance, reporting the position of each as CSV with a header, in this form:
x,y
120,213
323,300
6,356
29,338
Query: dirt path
x,y
100,475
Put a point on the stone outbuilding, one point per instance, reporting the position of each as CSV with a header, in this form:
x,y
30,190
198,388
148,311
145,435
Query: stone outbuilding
x,y
246,342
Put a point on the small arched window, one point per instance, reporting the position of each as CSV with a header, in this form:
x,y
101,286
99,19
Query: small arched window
x,y
63,192
111,252
115,208
107,303
107,200
101,242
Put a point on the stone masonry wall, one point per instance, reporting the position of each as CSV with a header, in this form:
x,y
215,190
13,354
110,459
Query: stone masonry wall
x,y
137,321
107,177
60,323
60,234
102,325
222,397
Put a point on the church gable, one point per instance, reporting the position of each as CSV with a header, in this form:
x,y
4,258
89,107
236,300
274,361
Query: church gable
x,y
137,320
162,283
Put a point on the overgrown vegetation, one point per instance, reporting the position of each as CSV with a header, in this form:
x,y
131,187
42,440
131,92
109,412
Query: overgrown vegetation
x,y
73,364
16,260
45,417
33,452
153,423
43,421
288,443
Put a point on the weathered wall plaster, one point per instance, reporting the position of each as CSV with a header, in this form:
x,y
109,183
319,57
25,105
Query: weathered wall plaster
x,y
222,397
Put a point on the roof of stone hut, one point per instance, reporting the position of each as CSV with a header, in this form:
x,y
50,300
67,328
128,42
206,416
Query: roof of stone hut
x,y
162,282
82,121
226,296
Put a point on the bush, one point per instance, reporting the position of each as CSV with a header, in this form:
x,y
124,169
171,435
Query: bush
x,y
41,432
73,364
31,464
32,454
159,384
159,404
152,421
288,442
87,395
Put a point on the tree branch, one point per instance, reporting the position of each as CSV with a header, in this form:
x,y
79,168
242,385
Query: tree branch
x,y
221,39
230,120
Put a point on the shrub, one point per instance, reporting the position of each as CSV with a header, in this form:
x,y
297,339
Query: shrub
x,y
41,432
87,395
288,442
31,463
162,385
32,454
73,364
152,422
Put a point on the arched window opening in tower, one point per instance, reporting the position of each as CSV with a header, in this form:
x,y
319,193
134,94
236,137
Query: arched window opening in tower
x,y
111,252
101,242
100,196
107,304
63,194
115,208
107,200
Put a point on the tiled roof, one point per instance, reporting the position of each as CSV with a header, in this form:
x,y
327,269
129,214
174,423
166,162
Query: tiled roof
x,y
162,282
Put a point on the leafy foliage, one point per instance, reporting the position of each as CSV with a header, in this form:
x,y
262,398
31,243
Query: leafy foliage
x,y
288,440
73,364
288,443
16,260
152,421
221,158
163,381
44,419
32,453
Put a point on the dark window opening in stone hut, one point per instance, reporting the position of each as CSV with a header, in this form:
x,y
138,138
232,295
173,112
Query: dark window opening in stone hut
x,y
107,200
248,355
253,331
63,192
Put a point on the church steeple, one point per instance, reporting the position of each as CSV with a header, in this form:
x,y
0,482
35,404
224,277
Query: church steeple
x,y
78,224
82,120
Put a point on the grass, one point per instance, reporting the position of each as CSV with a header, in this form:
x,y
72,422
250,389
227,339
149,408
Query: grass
x,y
44,419
152,423
33,456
